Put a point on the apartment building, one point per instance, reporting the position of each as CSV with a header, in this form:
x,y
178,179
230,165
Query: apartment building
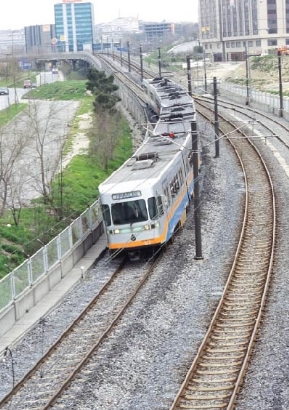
x,y
230,29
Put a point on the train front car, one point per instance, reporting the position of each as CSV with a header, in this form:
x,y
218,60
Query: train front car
x,y
133,205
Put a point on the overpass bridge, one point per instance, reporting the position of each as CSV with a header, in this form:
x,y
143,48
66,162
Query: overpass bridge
x,y
73,57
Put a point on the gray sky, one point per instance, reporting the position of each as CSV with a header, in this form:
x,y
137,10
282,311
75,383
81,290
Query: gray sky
x,y
16,14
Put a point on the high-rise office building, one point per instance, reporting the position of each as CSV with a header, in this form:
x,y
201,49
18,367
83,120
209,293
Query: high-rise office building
x,y
231,28
74,25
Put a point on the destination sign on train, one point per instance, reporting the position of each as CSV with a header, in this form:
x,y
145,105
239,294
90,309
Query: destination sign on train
x,y
125,195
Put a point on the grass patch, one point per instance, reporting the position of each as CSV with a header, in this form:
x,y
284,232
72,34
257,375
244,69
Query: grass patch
x,y
10,112
60,90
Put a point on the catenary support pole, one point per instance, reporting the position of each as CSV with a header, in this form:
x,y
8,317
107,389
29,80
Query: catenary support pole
x,y
280,84
205,72
189,75
141,63
128,55
247,76
160,62
197,210
217,148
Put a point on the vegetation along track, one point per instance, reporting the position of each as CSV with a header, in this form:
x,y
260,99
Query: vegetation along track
x,y
215,377
42,386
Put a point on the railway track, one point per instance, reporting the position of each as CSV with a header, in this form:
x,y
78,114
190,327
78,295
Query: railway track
x,y
256,120
217,372
44,384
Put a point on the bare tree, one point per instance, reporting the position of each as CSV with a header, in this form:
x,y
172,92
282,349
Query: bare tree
x,y
48,132
16,196
105,135
12,144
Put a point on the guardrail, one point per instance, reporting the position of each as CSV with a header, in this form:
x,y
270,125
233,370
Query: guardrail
x,y
31,270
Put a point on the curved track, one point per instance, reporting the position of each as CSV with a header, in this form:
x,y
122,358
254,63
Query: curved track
x,y
215,377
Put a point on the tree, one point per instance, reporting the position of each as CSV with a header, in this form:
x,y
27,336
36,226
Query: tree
x,y
12,145
48,126
103,89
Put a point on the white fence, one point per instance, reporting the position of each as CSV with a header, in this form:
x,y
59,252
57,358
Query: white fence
x,y
258,99
264,98
32,269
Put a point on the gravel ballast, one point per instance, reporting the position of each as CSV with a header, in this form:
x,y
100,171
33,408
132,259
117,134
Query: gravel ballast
x,y
143,365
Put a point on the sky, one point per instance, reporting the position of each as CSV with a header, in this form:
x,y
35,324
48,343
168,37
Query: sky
x,y
15,14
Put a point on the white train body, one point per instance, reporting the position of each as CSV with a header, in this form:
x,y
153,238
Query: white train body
x,y
145,200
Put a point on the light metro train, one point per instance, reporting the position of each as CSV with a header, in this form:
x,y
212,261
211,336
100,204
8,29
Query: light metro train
x,y
146,199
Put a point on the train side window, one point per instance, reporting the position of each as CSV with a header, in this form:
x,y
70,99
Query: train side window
x,y
173,188
191,156
187,166
167,195
177,184
181,178
160,205
153,210
106,215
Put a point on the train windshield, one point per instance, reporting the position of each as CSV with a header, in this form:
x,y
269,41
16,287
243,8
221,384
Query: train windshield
x,y
129,212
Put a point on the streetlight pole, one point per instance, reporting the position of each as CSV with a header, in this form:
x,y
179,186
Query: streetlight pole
x,y
280,84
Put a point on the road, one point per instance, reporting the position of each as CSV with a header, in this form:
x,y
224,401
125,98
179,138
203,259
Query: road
x,y
14,96
33,141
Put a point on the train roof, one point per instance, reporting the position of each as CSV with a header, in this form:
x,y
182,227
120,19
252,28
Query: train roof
x,y
169,92
171,135
150,160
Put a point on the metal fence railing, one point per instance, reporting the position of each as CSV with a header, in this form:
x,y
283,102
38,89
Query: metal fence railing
x,y
25,275
228,89
262,97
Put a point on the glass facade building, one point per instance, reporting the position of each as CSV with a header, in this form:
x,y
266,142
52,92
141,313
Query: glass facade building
x,y
74,25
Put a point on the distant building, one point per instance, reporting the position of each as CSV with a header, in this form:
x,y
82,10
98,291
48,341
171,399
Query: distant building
x,y
155,32
74,25
12,42
39,39
230,29
114,30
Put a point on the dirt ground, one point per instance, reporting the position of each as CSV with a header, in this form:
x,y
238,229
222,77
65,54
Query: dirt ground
x,y
267,80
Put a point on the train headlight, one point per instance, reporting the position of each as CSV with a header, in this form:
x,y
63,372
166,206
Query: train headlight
x,y
146,227
116,231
